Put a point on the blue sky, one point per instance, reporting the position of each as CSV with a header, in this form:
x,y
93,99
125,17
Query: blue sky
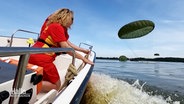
x,y
97,22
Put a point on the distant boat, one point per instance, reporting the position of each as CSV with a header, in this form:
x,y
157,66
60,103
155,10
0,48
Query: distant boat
x,y
20,82
156,54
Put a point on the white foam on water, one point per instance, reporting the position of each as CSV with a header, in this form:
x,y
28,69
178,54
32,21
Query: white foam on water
x,y
103,89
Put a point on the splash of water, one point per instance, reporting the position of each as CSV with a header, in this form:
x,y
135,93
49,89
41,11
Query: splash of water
x,y
102,89
138,85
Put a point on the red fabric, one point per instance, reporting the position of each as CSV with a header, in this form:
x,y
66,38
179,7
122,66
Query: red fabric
x,y
50,72
52,34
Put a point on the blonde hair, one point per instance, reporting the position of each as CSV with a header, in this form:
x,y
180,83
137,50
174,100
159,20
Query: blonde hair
x,y
63,16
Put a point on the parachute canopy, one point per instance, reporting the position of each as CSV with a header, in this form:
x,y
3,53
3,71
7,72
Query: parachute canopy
x,y
136,29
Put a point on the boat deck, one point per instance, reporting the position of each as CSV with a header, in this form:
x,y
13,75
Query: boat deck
x,y
62,63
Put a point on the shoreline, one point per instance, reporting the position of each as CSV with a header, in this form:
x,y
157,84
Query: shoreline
x,y
162,59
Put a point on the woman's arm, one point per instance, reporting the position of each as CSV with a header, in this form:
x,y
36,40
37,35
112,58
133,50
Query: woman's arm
x,y
86,51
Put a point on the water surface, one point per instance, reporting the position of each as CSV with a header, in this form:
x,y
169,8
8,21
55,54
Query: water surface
x,y
115,82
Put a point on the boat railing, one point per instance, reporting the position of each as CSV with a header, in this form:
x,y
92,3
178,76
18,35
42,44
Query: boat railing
x,y
24,53
20,30
89,46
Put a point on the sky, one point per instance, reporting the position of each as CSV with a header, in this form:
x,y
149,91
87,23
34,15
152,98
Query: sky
x,y
97,23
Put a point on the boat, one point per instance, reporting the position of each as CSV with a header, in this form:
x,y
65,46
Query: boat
x,y
20,81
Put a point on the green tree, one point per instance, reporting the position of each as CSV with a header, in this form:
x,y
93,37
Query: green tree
x,y
123,58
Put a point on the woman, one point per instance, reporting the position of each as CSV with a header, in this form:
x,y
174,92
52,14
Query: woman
x,y
54,34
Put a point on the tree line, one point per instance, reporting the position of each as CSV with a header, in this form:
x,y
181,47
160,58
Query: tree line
x,y
162,59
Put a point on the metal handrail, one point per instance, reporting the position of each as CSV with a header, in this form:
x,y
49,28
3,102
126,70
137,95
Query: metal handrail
x,y
12,36
24,53
90,46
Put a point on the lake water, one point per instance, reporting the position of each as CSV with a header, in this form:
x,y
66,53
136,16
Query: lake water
x,y
145,82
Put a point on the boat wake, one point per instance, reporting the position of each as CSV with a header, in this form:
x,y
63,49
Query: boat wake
x,y
103,89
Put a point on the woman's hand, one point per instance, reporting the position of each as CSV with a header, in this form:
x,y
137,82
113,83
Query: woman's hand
x,y
88,61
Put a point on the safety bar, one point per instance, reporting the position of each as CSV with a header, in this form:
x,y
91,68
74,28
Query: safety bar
x,y
21,31
90,46
24,53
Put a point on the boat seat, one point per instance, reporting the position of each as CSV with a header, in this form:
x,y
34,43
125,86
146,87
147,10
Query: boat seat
x,y
32,80
33,68
7,78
